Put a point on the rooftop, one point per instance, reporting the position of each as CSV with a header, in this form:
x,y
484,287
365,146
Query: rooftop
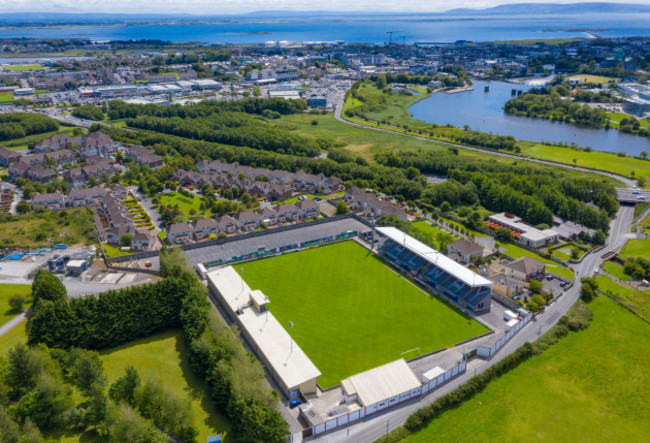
x,y
381,383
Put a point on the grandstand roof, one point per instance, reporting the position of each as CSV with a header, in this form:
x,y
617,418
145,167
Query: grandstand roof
x,y
436,258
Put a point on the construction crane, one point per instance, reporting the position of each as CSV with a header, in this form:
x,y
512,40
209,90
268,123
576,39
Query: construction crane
x,y
390,33
404,37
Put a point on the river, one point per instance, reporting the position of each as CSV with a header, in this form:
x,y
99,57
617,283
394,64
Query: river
x,y
482,111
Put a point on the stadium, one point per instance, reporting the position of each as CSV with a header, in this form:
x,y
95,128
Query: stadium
x,y
324,312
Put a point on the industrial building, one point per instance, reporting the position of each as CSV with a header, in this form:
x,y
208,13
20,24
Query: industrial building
x,y
435,270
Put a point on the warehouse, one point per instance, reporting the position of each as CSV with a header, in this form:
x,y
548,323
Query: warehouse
x,y
273,345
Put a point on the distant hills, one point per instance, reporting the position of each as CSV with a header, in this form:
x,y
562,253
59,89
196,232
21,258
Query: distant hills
x,y
553,8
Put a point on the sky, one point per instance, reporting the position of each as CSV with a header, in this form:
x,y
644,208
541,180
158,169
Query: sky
x,y
219,7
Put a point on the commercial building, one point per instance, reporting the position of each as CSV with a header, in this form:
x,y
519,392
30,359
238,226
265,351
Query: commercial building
x,y
435,270
523,233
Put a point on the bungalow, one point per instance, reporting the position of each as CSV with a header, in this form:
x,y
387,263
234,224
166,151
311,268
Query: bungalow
x,y
248,220
227,224
59,141
287,213
8,157
180,233
54,201
203,227
309,208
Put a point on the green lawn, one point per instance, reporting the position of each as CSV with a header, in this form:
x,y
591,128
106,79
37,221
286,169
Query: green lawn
x,y
592,386
616,270
434,230
618,116
603,161
164,357
22,67
15,336
588,78
185,204
6,292
6,97
113,251
639,301
636,247
351,312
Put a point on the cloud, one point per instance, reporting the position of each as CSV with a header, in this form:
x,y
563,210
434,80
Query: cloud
x,y
219,7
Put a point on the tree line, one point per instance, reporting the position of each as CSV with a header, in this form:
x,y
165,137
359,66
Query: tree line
x,y
234,377
21,124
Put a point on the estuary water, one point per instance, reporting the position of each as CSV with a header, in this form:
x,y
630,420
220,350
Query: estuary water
x,y
359,29
482,111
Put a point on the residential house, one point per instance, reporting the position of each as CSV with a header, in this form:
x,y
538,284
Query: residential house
x,y
462,251
203,227
525,269
119,191
370,205
59,141
61,157
143,156
248,220
309,208
180,233
8,157
38,174
268,216
17,170
86,196
96,143
115,233
54,201
143,241
227,224
287,213
33,159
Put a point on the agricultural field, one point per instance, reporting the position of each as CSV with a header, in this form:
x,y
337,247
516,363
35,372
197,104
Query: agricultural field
x,y
637,300
6,292
571,392
364,301
636,247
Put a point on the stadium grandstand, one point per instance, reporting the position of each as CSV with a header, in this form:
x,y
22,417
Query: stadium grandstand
x,y
436,271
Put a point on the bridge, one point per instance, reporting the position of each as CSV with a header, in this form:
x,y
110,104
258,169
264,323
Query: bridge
x,y
633,196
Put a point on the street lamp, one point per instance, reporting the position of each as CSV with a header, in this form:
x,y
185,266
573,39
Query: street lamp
x,y
291,334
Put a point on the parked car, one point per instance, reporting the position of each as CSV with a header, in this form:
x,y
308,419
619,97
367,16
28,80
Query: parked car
x,y
294,403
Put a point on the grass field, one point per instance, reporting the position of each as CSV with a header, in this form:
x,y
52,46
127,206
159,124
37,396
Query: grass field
x,y
351,312
573,391
6,292
588,78
616,270
15,336
164,357
185,204
639,301
36,138
22,67
434,230
6,97
36,230
603,161
618,116
113,251
636,247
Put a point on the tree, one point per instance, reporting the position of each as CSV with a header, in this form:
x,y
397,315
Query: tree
x,y
643,155
23,207
126,239
599,237
87,370
124,424
445,207
16,302
588,289
504,235
575,253
341,208
47,286
47,403
535,286
9,429
123,389
256,91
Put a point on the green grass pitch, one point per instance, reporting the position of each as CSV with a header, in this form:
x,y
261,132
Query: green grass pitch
x,y
351,312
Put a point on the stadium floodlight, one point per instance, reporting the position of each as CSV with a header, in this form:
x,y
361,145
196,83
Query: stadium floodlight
x,y
291,334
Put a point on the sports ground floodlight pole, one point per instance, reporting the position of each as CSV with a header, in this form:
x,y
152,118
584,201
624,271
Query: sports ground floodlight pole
x,y
291,334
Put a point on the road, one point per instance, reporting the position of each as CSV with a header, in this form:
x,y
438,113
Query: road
x,y
376,426
148,207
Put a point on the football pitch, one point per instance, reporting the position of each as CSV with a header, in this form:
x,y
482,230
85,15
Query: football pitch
x,y
351,312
